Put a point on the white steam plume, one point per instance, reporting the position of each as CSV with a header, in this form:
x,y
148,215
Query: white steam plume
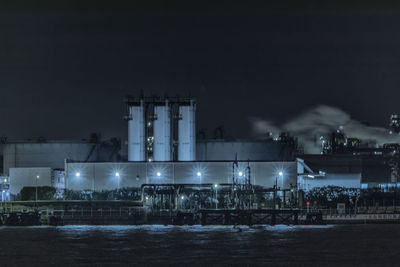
x,y
321,121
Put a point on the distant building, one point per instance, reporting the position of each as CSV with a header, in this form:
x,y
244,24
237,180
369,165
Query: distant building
x,y
52,154
352,171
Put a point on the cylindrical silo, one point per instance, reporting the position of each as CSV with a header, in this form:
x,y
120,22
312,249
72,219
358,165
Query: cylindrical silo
x,y
187,133
162,133
136,133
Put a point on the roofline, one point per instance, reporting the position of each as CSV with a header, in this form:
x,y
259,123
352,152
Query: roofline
x,y
196,161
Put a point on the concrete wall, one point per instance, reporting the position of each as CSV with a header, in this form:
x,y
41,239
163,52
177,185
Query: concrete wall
x,y
21,177
101,176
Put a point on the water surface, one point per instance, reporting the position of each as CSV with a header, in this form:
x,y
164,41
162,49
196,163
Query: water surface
x,y
343,245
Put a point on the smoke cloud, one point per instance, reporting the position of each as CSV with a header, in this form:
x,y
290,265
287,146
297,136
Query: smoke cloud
x,y
322,120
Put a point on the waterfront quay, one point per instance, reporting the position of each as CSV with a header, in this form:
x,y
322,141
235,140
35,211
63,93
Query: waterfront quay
x,y
56,213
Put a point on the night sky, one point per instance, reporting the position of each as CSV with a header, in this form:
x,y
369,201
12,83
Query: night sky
x,y
64,71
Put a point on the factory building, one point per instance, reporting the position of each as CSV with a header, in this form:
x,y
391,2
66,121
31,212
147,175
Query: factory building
x,y
52,154
162,149
214,149
106,176
351,171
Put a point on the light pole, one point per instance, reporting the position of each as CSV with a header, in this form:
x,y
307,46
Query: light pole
x,y
280,174
216,196
182,198
117,176
36,180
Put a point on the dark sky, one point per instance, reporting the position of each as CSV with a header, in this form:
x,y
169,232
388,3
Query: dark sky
x,y
64,71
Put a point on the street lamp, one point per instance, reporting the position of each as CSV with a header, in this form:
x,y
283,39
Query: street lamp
x,y
198,174
117,176
280,174
216,196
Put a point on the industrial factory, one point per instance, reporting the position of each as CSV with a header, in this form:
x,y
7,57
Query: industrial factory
x,y
163,147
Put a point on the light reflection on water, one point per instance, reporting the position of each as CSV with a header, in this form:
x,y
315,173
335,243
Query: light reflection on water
x,y
278,245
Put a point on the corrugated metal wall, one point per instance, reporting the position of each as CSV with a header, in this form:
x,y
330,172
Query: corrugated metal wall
x,y
50,155
101,176
246,150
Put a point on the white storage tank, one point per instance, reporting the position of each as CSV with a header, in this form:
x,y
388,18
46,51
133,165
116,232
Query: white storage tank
x,y
162,133
136,133
187,133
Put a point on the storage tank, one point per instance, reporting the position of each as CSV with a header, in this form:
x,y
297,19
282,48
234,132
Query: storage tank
x,y
162,133
136,133
187,133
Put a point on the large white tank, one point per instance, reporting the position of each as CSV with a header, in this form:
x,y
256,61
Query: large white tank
x,y
136,133
162,133
187,133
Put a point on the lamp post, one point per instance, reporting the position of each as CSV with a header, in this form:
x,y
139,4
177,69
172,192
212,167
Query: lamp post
x,y
216,196
36,180
117,176
280,174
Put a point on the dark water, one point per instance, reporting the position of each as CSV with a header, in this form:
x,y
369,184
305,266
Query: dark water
x,y
346,245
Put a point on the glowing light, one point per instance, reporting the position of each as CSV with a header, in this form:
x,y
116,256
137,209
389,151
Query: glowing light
x,y
117,174
215,185
199,174
240,174
308,203
37,176
77,174
182,197
5,180
147,198
4,191
158,174
280,173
